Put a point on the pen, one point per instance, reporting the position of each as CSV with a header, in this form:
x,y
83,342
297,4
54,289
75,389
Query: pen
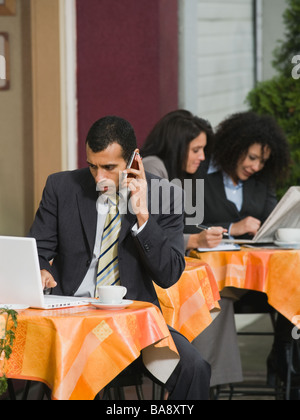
x,y
203,228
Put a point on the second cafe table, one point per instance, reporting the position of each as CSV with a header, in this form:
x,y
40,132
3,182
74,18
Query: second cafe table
x,y
273,272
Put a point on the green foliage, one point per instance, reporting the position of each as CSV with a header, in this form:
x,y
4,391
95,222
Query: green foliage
x,y
280,96
290,46
6,343
3,385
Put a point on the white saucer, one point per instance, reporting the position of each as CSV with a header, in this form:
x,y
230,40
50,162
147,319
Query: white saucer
x,y
112,306
289,245
14,307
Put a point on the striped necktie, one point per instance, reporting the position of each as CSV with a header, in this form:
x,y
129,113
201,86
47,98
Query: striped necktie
x,y
108,266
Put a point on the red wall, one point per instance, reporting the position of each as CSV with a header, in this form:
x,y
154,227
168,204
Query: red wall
x,y
127,63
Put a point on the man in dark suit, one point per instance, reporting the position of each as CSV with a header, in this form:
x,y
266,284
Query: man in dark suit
x,y
69,229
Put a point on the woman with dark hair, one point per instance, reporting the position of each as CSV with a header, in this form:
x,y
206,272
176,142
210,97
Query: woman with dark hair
x,y
175,149
172,138
250,157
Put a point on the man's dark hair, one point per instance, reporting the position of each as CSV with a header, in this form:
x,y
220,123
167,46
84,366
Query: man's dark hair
x,y
109,130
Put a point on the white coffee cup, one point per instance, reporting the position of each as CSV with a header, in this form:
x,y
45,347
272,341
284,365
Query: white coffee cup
x,y
288,235
111,294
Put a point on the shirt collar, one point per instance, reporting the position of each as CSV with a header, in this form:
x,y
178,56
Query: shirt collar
x,y
123,198
229,183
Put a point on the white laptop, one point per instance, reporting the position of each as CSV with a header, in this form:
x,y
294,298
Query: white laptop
x,y
20,277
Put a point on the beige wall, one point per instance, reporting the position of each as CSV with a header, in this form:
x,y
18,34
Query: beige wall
x,y
12,148
47,132
30,112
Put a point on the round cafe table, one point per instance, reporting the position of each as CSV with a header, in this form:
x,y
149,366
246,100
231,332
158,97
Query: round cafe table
x,y
273,272
76,352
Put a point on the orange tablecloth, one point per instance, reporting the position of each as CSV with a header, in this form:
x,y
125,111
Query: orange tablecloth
x,y
78,351
189,306
274,272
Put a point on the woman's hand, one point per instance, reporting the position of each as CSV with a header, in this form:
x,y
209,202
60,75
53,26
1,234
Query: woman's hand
x,y
210,238
248,226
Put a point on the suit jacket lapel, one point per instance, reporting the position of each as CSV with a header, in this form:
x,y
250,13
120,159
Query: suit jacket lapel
x,y
128,221
249,192
87,198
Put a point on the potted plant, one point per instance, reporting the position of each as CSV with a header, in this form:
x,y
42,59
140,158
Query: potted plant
x,y
8,325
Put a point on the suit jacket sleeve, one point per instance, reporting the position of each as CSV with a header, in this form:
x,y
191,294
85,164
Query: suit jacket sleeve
x,y
44,228
161,244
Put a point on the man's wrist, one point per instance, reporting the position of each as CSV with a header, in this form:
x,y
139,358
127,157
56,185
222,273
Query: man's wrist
x,y
142,218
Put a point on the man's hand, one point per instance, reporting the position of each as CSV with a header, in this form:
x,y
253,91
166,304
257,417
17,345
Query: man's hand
x,y
139,191
48,281
249,226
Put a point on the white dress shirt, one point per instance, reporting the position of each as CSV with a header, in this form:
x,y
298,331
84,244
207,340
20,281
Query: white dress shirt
x,y
234,193
88,286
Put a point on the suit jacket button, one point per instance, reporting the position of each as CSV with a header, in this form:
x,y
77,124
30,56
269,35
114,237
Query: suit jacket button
x,y
88,263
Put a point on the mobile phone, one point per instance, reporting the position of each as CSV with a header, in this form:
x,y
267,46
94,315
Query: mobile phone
x,y
133,164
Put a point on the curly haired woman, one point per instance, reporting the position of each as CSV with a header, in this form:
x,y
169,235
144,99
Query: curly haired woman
x,y
251,156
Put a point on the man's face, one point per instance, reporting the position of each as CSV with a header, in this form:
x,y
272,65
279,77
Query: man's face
x,y
106,166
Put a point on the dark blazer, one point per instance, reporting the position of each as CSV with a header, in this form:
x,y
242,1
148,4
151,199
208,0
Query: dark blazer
x,y
65,229
259,202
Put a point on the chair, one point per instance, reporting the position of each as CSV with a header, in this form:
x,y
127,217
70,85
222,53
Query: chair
x,y
115,390
133,376
292,387
255,303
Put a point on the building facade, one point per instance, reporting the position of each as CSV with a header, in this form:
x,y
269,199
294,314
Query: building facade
x,y
73,61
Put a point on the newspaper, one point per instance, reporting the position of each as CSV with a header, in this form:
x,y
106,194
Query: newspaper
x,y
285,215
